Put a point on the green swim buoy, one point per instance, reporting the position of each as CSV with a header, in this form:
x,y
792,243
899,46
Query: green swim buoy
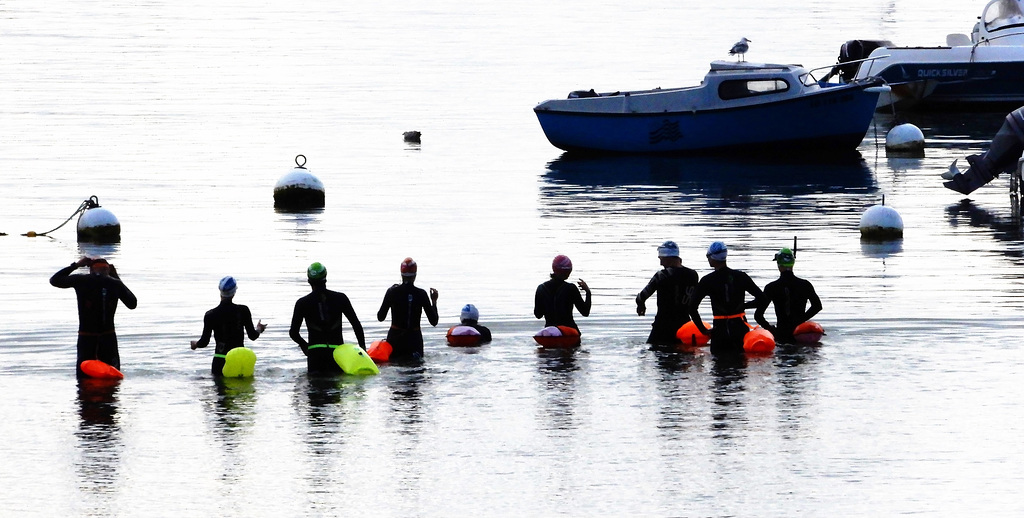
x,y
353,360
239,362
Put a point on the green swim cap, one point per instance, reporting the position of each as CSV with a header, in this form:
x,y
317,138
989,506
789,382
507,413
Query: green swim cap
x,y
785,257
316,272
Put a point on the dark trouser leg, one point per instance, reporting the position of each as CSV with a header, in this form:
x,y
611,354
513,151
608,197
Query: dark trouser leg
x,y
1002,156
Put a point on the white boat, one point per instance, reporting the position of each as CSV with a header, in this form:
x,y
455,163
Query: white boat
x,y
738,105
984,70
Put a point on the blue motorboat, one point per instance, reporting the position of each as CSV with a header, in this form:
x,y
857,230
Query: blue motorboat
x,y
738,105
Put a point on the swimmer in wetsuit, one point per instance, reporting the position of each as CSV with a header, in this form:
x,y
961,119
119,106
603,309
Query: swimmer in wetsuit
x,y
790,295
322,310
470,317
97,293
226,322
727,289
555,298
407,303
675,285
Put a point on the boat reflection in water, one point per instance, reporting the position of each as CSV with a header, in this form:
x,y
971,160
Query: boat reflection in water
x,y
610,184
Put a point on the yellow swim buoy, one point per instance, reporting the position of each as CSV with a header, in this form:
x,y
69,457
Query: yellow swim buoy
x,y
239,362
353,360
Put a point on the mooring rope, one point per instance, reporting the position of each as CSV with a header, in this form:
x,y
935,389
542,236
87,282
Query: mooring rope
x,y
90,203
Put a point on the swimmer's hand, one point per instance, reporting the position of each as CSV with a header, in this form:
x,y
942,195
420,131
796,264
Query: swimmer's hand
x,y
260,326
195,345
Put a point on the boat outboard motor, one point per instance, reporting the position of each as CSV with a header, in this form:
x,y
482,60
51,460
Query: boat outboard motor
x,y
852,51
1002,155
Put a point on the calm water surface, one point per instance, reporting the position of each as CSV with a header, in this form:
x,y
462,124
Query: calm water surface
x,y
180,117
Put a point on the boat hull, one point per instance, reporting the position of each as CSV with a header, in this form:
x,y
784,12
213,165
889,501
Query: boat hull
x,y
834,118
989,77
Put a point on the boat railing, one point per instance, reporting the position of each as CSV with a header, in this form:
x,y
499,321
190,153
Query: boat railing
x,y
834,69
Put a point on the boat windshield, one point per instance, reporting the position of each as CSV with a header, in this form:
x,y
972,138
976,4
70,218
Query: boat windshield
x,y
1003,14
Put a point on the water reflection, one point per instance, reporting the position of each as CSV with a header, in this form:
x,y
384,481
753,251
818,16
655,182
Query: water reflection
x,y
232,411
304,225
796,373
105,250
1004,227
596,186
99,435
558,371
728,387
676,388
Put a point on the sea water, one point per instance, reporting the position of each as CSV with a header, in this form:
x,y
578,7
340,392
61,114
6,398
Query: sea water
x,y
181,116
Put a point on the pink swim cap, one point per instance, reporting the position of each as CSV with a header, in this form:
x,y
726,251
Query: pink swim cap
x,y
561,264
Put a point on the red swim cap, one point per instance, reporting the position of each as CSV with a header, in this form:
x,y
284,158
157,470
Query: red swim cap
x,y
408,267
561,264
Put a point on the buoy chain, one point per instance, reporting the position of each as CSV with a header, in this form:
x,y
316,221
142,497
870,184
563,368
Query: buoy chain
x,y
90,203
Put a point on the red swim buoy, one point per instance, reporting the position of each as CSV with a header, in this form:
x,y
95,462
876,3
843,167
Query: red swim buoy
x,y
691,337
463,336
809,332
558,337
380,351
100,370
758,341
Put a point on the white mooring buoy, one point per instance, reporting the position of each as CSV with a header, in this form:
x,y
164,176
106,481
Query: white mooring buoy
x,y
905,139
299,189
97,224
881,223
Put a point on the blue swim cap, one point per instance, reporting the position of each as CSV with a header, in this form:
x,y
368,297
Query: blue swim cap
x,y
718,251
668,249
469,312
227,286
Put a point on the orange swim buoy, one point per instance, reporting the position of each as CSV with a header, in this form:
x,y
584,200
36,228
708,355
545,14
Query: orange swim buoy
x,y
463,336
691,337
380,351
101,370
758,341
558,337
809,332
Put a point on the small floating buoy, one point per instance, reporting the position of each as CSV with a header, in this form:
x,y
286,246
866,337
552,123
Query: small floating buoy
x,y
809,332
100,370
881,223
905,139
299,189
239,362
758,341
463,336
353,360
379,350
411,136
558,337
98,225
690,336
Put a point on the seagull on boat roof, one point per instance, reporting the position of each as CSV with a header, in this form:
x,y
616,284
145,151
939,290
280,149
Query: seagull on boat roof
x,y
740,48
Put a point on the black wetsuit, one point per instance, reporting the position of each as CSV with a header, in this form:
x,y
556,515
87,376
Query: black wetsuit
x,y
485,334
675,285
727,289
97,302
226,322
406,303
790,295
323,310
554,301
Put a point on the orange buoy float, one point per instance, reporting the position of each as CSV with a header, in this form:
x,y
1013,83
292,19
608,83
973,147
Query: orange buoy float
x,y
809,332
561,337
380,351
463,336
758,341
691,337
101,370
